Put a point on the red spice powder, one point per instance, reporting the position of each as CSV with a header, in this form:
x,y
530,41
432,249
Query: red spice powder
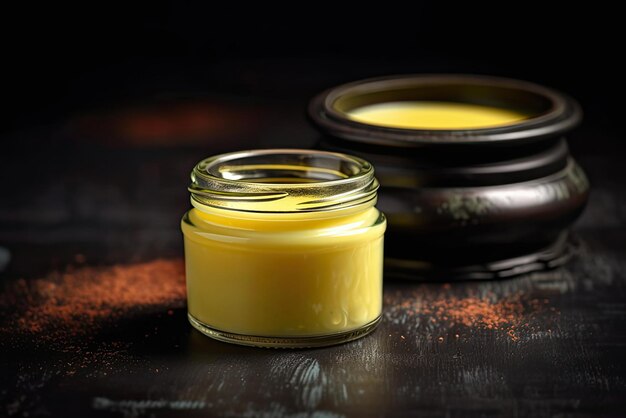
x,y
443,311
78,300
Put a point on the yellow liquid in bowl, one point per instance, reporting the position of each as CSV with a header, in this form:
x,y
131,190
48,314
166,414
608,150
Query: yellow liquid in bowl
x,y
435,115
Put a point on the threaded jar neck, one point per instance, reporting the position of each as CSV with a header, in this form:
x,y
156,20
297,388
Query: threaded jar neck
x,y
283,181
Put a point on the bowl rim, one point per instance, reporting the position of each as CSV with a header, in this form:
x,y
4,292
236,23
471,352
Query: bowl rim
x,y
563,114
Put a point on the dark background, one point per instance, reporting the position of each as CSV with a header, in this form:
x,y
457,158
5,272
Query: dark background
x,y
108,106
60,59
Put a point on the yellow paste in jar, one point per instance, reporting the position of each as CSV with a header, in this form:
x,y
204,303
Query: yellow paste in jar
x,y
284,274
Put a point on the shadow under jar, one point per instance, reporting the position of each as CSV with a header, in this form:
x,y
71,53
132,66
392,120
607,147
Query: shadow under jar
x,y
284,248
476,178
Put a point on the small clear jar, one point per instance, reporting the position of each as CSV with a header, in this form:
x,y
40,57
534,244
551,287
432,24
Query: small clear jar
x,y
284,248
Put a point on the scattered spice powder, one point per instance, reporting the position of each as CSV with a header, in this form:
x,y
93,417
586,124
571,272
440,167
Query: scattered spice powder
x,y
77,300
438,310
62,313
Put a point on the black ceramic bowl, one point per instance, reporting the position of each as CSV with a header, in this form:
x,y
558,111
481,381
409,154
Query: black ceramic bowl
x,y
471,203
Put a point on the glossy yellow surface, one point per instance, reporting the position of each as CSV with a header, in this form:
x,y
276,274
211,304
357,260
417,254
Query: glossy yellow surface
x,y
295,274
434,115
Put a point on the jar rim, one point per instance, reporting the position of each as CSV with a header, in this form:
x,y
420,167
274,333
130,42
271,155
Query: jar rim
x,y
282,181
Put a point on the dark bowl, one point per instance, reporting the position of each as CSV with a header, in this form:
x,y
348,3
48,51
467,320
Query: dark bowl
x,y
465,204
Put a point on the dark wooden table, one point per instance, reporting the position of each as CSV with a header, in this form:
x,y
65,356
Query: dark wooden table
x,y
96,200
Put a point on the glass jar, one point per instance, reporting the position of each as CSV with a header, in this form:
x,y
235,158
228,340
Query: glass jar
x,y
284,248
